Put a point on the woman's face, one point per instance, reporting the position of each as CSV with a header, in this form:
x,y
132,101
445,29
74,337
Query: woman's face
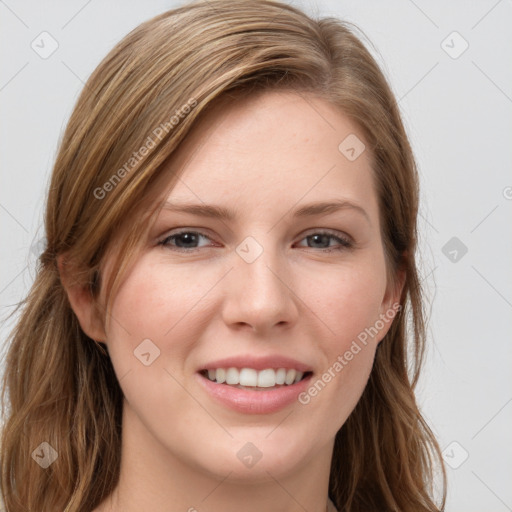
x,y
277,285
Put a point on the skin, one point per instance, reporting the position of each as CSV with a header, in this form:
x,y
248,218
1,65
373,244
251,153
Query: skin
x,y
263,157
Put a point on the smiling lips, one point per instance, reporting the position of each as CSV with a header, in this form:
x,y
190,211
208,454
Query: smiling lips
x,y
256,372
255,385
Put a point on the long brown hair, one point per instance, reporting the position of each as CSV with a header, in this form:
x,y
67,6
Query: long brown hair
x,y
154,84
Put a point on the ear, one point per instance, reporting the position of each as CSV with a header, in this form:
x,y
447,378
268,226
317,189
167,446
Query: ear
x,y
82,302
391,303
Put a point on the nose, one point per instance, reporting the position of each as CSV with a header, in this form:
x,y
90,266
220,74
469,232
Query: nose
x,y
259,294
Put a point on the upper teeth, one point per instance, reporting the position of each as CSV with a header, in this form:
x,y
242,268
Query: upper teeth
x,y
251,377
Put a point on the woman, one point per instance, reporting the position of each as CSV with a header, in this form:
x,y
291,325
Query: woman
x,y
252,367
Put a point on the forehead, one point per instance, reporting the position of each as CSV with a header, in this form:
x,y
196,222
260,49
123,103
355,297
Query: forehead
x,y
272,151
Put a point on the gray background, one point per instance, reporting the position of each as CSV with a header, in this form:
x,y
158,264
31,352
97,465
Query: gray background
x,y
457,108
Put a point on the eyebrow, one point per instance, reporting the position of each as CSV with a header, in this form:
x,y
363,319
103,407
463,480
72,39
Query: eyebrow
x,y
308,210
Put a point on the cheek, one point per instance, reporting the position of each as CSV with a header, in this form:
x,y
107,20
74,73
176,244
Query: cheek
x,y
347,299
150,336
151,320
154,302
348,302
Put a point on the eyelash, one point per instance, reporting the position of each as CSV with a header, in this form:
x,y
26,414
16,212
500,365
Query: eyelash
x,y
345,243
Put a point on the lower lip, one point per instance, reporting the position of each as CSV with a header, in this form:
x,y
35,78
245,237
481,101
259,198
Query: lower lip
x,y
254,402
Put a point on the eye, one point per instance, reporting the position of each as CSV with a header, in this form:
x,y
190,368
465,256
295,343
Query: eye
x,y
186,241
322,237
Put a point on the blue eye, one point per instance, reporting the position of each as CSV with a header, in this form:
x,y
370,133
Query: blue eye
x,y
324,237
186,241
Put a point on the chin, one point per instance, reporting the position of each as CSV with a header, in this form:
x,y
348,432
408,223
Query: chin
x,y
253,460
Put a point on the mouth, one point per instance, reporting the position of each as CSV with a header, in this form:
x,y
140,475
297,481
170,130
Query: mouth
x,y
247,390
255,380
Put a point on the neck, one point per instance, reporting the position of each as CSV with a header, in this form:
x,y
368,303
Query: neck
x,y
153,478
